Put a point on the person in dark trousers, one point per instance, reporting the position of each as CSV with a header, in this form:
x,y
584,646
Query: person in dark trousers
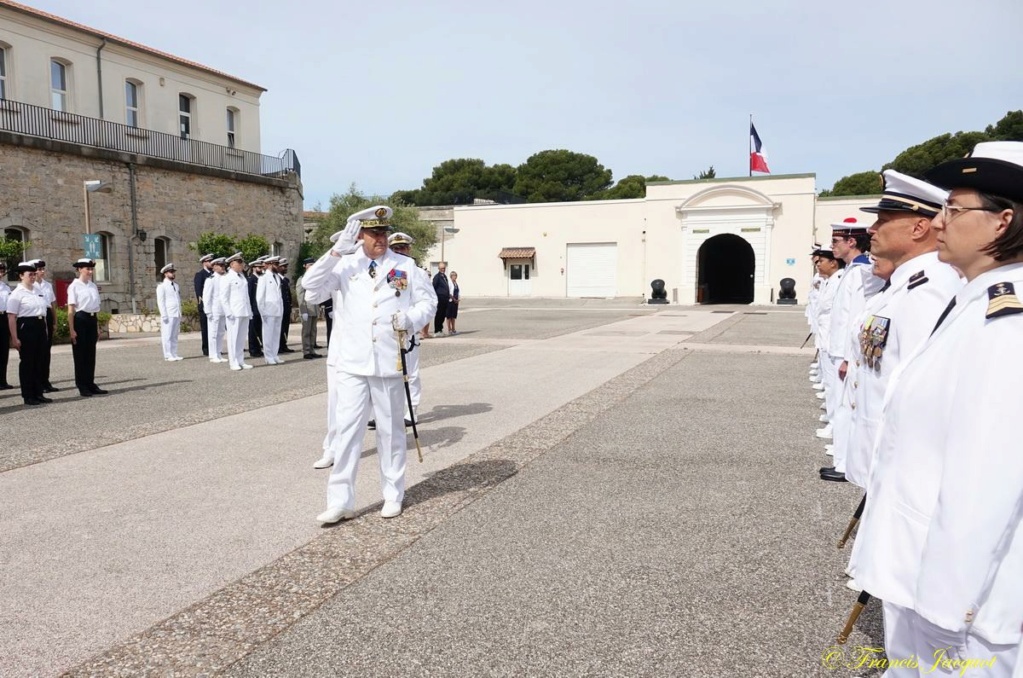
x,y
328,314
5,332
44,288
83,304
26,322
204,274
255,323
286,297
443,291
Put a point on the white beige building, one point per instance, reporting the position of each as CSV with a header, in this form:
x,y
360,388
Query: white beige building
x,y
54,63
710,241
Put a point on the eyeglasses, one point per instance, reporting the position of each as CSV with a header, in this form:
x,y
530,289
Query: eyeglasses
x,y
950,212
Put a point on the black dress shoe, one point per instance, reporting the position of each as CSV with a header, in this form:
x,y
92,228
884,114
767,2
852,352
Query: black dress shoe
x,y
5,387
825,469
308,356
286,350
372,426
50,389
44,399
408,422
834,476
96,390
33,402
84,393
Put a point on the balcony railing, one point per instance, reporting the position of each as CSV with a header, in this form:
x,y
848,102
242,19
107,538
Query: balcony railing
x,y
46,123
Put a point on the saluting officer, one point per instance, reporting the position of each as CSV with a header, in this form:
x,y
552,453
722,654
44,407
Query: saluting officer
x,y
83,303
201,276
380,295
945,497
26,321
215,309
168,300
5,332
234,297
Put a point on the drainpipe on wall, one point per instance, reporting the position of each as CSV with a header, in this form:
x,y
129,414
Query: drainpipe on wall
x,y
99,75
134,234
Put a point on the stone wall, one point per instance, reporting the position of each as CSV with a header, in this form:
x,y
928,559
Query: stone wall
x,y
41,184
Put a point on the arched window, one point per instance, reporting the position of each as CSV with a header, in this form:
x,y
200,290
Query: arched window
x,y
186,111
60,85
103,261
162,254
15,235
5,57
133,103
233,118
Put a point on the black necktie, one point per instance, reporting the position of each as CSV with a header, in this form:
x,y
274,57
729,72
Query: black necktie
x,y
372,269
944,314
887,284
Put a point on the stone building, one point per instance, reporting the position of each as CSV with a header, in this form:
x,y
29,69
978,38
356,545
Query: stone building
x,y
143,150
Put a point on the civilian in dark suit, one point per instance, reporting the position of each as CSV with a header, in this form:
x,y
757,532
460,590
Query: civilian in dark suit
x,y
204,273
443,291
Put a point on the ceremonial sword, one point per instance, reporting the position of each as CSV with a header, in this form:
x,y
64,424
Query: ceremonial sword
x,y
403,366
807,339
861,603
852,523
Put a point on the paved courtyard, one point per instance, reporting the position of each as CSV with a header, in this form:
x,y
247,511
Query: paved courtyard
x,y
608,489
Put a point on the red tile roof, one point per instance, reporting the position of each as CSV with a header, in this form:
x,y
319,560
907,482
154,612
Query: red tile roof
x,y
517,253
53,18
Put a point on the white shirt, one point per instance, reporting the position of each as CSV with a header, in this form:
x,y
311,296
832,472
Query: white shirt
x,y
234,295
368,343
211,303
45,289
27,303
168,299
84,296
946,491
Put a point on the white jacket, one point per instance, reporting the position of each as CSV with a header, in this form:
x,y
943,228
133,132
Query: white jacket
x,y
367,341
857,285
945,498
168,299
825,300
234,295
268,295
211,296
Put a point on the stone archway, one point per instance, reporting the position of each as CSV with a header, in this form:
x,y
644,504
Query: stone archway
x,y
726,266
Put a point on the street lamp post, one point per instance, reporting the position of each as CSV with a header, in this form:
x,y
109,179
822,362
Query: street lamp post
x,y
447,229
93,186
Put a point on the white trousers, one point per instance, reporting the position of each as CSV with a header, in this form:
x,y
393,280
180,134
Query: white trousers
x,y
903,640
414,382
353,394
169,337
328,440
237,334
832,384
217,328
841,425
271,337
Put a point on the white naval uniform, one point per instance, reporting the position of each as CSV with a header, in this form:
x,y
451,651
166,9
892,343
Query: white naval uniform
x,y
858,284
367,368
168,301
270,303
944,543
822,338
216,321
412,357
333,360
234,298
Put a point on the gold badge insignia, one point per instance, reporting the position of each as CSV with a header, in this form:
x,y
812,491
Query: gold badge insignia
x,y
1002,300
381,212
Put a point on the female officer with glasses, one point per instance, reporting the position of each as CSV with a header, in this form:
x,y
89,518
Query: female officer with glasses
x,y
82,306
26,320
952,487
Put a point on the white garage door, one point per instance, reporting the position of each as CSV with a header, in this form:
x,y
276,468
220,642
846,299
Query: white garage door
x,y
592,269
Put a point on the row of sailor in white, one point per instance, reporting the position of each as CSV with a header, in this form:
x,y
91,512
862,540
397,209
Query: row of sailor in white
x,y
380,294
168,301
270,304
943,521
213,306
828,369
234,299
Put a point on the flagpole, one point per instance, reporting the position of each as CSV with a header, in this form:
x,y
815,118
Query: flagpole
x,y
749,137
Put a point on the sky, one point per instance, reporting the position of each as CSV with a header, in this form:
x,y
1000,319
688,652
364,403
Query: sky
x,y
379,93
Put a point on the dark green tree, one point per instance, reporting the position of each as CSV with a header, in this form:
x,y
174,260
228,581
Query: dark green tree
x,y
861,183
561,175
630,187
458,182
406,219
217,244
708,173
253,246
916,160
1009,128
11,252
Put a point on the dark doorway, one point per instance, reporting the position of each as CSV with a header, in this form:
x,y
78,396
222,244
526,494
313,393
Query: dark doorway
x,y
726,264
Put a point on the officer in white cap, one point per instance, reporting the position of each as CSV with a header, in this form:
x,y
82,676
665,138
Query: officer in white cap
x,y
234,298
255,331
44,288
83,303
216,318
199,282
270,301
168,301
401,243
5,333
26,321
380,296
945,496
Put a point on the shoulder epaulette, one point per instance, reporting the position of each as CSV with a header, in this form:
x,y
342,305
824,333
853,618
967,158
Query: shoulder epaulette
x,y
916,280
1002,300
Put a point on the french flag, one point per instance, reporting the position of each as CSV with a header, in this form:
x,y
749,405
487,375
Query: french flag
x,y
757,156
